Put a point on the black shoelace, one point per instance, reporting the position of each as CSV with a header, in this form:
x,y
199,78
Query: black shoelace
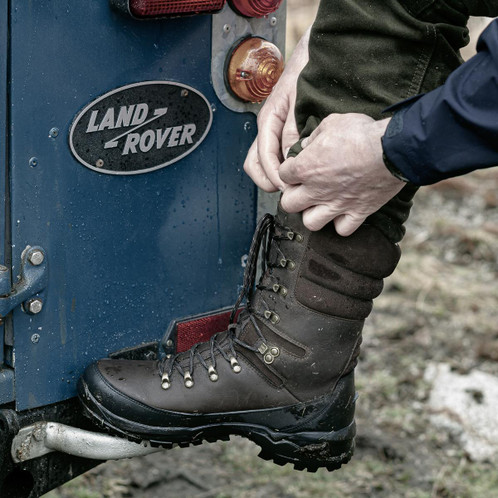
x,y
224,342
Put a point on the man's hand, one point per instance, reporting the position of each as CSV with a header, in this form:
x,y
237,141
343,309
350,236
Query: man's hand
x,y
277,130
340,174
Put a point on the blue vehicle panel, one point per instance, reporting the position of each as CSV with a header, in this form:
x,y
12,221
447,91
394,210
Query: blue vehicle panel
x,y
126,254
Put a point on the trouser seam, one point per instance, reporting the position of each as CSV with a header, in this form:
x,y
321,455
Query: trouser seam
x,y
423,63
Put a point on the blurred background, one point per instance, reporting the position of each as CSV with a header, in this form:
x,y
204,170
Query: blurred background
x,y
428,375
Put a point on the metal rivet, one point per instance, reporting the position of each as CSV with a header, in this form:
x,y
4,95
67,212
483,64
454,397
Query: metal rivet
x,y
291,265
299,237
283,291
244,75
34,306
36,257
189,382
165,382
184,92
247,126
235,365
169,343
33,162
268,358
35,338
274,318
273,21
227,28
99,163
54,132
275,351
213,375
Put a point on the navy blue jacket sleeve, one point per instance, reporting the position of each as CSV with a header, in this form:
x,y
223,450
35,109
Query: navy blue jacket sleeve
x,y
454,129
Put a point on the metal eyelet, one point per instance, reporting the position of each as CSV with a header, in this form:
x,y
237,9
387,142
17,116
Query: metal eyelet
x,y
295,236
272,316
187,379
235,364
268,359
165,381
213,375
287,263
279,289
270,355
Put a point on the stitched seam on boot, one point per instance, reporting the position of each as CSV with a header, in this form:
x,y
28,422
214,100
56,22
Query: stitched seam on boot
x,y
253,367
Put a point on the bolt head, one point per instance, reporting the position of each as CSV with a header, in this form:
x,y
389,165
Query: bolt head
x,y
35,338
36,258
34,306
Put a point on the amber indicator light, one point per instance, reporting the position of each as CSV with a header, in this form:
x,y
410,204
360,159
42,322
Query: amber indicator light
x,y
255,8
161,8
254,68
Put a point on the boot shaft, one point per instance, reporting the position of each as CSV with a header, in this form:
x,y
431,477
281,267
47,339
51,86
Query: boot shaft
x,y
311,303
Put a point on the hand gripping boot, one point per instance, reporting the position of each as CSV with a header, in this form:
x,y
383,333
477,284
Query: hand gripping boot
x,y
282,375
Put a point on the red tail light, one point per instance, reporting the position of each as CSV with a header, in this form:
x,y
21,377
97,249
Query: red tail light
x,y
162,8
255,8
254,68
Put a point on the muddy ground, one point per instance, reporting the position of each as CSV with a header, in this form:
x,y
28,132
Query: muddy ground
x,y
441,305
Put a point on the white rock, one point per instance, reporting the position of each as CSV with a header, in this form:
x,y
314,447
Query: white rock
x,y
467,407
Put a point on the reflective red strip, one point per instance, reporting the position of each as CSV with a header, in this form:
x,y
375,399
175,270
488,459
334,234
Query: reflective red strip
x,y
200,330
157,8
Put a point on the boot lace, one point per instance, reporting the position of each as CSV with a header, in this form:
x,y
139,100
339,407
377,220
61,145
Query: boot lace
x,y
224,342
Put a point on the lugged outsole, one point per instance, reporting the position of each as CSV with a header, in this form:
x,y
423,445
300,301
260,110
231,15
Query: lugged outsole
x,y
308,457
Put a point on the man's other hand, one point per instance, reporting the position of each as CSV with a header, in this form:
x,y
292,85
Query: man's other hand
x,y
340,174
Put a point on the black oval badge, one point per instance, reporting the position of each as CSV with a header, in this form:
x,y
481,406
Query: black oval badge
x,y
140,127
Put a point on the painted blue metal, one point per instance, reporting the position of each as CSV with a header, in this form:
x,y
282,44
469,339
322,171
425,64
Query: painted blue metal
x,y
127,254
6,374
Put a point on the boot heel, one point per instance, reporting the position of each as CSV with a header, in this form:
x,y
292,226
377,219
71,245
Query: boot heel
x,y
311,451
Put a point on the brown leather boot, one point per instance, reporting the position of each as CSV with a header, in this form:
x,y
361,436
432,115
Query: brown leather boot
x,y
282,375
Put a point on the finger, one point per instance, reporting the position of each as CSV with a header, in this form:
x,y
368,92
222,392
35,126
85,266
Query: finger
x,y
346,224
289,171
253,168
269,152
296,199
290,135
316,217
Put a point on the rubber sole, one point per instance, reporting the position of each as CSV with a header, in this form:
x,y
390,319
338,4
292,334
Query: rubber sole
x,y
305,450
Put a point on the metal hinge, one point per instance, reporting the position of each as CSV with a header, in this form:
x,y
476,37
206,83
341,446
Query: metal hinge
x,y
33,278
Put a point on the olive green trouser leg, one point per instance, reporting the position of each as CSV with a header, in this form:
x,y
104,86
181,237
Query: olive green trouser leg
x,y
366,55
